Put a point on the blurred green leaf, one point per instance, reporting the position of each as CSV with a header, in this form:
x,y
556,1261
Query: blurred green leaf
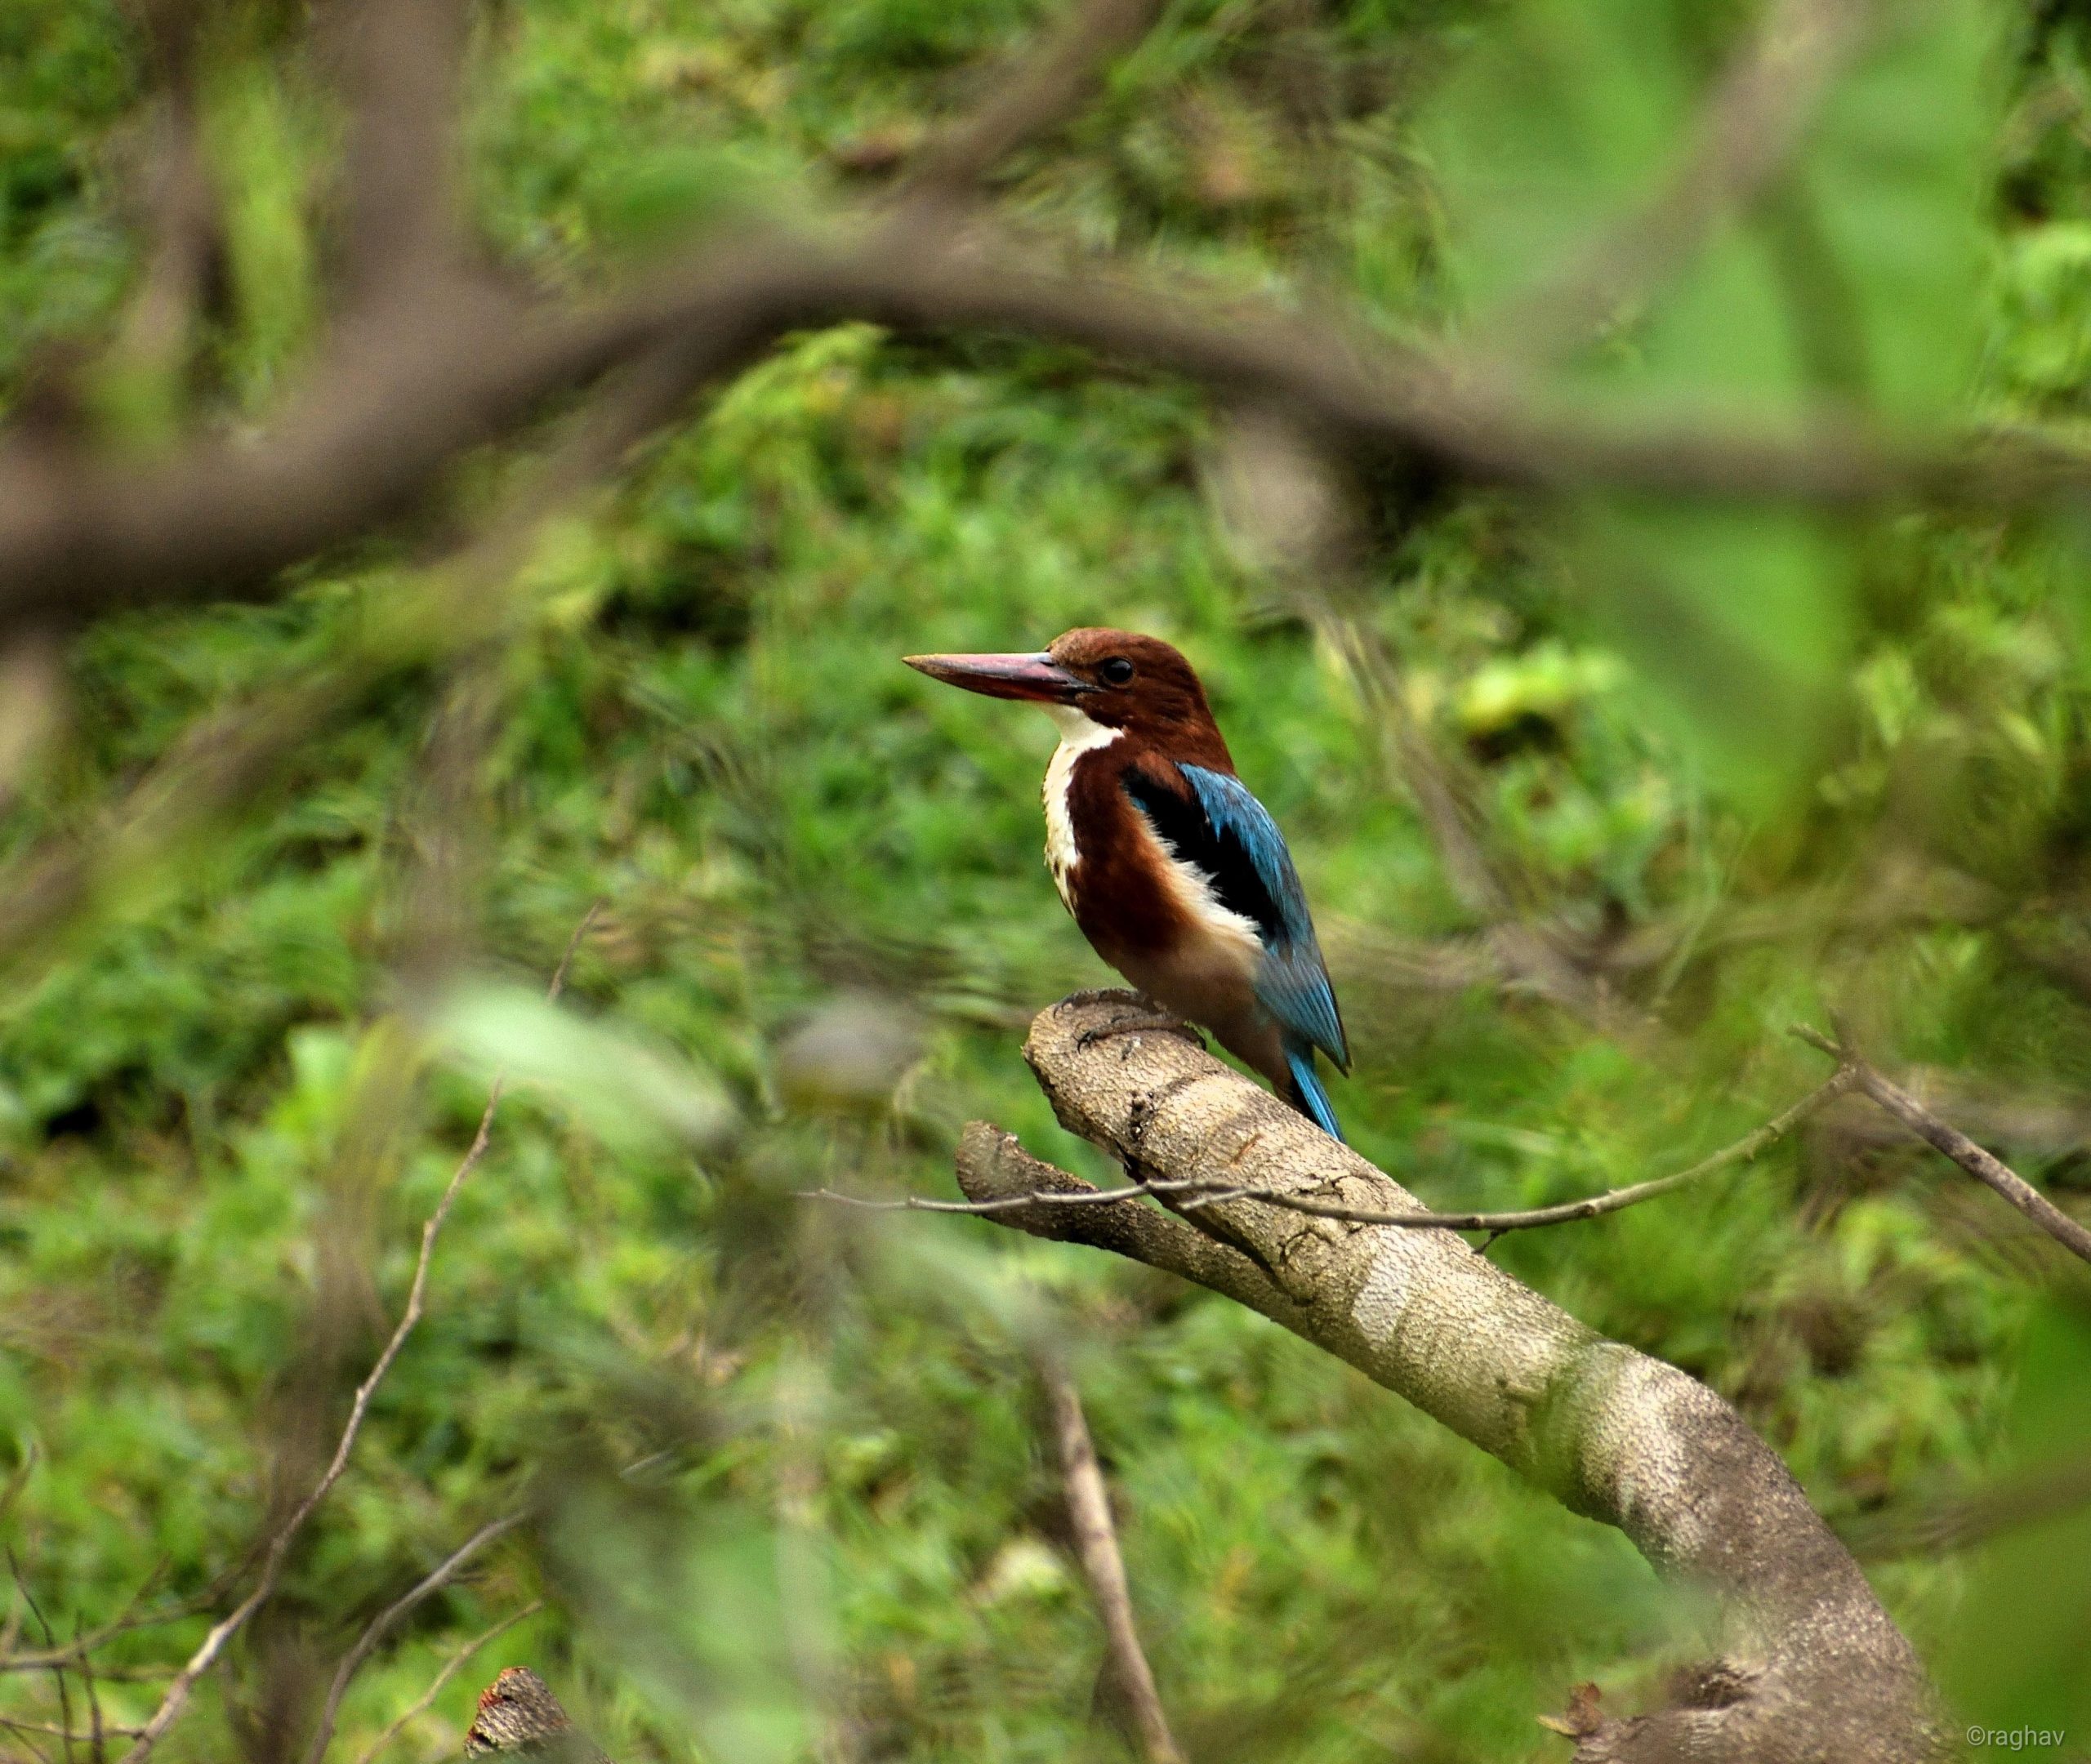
x,y
619,1083
2017,1654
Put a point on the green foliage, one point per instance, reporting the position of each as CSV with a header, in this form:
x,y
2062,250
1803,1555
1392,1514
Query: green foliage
x,y
775,1449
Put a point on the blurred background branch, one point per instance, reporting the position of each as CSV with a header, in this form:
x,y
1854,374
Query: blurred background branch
x,y
1125,1669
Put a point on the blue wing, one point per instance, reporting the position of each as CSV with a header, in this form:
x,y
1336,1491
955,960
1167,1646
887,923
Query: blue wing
x,y
1232,837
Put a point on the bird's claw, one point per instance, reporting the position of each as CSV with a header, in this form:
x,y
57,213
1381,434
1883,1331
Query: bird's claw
x,y
1147,1022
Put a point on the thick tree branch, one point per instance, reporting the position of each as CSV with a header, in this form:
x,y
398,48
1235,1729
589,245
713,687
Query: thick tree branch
x,y
404,58
431,360
1812,1668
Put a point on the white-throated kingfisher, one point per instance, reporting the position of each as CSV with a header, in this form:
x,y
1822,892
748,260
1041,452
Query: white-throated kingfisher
x,y
1177,875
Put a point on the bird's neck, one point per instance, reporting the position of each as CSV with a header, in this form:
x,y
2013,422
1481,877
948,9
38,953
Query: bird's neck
x,y
1077,729
1080,736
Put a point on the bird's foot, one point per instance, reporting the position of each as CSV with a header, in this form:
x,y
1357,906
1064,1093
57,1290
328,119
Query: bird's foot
x,y
1146,1017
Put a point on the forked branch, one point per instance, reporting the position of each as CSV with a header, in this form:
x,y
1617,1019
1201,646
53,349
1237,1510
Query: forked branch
x,y
1811,1667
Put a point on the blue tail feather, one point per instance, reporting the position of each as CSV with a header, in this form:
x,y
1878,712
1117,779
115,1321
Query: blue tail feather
x,y
1312,1100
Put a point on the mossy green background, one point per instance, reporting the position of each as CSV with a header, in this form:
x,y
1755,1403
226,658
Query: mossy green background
x,y
792,1487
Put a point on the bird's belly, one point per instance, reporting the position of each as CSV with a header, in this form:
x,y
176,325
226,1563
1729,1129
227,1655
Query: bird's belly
x,y
1205,977
1210,980
1199,970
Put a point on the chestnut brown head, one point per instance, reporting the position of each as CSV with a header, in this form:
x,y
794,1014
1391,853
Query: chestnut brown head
x,y
1120,678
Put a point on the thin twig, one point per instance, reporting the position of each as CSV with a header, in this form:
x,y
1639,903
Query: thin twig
x,y
59,1732
22,1727
78,1650
382,1624
1206,1193
1096,1540
97,1745
1565,1212
450,1668
1003,1203
213,1644
1984,1167
50,1641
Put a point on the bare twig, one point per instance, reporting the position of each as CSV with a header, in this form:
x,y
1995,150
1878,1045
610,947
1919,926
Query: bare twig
x,y
1004,1204
383,1623
57,1732
76,1650
1206,1193
57,1671
451,1667
1985,1168
1096,1540
96,1742
176,1697
15,1726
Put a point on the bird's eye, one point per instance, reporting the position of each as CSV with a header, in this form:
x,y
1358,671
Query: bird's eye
x,y
1116,671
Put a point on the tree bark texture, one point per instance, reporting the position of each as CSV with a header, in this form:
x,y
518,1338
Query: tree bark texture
x,y
1811,1667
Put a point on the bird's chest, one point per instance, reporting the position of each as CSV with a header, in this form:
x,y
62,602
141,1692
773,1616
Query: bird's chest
x,y
1135,901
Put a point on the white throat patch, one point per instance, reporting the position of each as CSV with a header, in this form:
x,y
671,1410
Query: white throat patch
x,y
1079,734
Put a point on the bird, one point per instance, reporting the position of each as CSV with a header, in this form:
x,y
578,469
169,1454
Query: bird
x,y
1177,875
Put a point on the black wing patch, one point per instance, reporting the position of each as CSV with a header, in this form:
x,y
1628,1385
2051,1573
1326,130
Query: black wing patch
x,y
1222,829
1238,880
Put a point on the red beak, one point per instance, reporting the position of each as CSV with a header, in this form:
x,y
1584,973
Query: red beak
x,y
1038,678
